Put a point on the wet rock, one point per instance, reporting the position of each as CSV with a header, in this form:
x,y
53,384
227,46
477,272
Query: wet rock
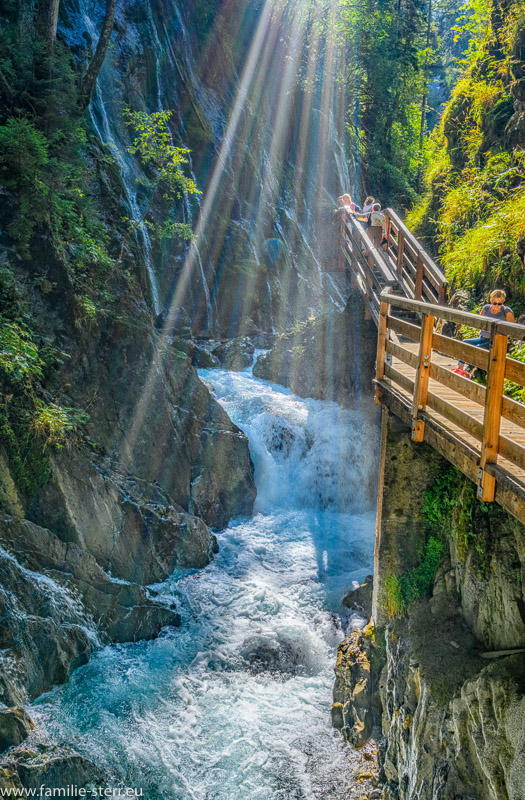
x,y
15,726
154,423
308,359
360,599
174,322
52,766
44,633
276,655
356,709
455,725
236,354
47,631
263,340
203,359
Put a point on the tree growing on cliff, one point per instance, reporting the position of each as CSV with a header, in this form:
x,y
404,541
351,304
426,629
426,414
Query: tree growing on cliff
x,y
47,22
165,179
90,77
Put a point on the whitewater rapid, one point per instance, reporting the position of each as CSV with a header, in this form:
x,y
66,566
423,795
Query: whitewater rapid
x,y
235,704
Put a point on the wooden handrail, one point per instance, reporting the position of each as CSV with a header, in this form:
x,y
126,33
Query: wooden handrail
x,y
413,243
483,425
512,329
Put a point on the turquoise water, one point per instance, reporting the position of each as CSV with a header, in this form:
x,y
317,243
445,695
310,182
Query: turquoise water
x,y
235,703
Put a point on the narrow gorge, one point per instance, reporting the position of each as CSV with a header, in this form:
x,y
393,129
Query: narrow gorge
x,y
204,508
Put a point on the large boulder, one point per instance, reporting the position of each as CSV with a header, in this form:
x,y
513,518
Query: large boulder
x,y
55,766
161,447
235,354
15,726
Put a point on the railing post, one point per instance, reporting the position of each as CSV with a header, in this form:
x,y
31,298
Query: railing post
x,y
422,377
341,263
492,417
388,225
381,346
400,251
419,279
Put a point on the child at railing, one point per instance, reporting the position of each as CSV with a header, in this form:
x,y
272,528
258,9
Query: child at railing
x,y
346,207
496,309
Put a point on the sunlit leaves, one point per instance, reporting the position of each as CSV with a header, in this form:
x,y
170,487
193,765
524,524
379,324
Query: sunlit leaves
x,y
164,167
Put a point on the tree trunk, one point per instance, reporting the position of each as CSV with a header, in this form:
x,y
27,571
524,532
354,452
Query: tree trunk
x,y
47,22
91,75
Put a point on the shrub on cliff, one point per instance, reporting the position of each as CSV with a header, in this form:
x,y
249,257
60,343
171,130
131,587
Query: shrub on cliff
x,y
474,209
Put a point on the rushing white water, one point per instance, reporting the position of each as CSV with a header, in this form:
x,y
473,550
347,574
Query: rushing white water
x,y
235,704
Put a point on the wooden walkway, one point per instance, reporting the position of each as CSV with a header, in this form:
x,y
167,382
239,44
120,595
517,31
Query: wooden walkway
x,y
477,428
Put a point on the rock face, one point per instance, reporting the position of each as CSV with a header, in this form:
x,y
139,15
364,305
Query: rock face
x,y
452,718
356,709
453,722
124,506
53,766
15,726
236,354
329,358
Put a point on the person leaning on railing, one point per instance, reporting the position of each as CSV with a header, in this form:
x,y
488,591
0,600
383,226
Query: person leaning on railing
x,y
496,309
346,207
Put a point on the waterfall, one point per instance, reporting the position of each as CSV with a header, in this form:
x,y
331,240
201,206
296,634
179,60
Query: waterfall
x,y
236,703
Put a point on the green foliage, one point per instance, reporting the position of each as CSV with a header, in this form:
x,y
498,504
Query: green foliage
x,y
474,208
23,159
387,70
394,605
163,161
54,424
440,500
19,356
515,390
417,582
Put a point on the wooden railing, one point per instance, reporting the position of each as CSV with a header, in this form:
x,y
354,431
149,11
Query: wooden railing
x,y
419,277
368,264
401,264
485,427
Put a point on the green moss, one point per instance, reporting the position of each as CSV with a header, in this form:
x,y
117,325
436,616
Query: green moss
x,y
401,591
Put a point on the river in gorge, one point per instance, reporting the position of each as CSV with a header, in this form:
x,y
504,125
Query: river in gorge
x,y
235,704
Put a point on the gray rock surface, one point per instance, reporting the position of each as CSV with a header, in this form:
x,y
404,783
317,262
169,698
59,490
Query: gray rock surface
x,y
331,357
235,354
54,766
15,726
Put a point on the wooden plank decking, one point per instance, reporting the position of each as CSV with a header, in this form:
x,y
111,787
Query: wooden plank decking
x,y
466,404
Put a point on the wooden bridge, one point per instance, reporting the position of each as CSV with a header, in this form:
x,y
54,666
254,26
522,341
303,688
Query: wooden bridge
x,y
477,428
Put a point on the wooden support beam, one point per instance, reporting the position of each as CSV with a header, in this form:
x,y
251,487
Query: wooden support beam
x,y
422,377
381,345
492,418
510,492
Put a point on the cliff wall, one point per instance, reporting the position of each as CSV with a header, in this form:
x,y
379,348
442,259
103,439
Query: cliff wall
x,y
116,464
445,651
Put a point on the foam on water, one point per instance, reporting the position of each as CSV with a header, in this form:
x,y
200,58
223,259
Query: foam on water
x,y
235,704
